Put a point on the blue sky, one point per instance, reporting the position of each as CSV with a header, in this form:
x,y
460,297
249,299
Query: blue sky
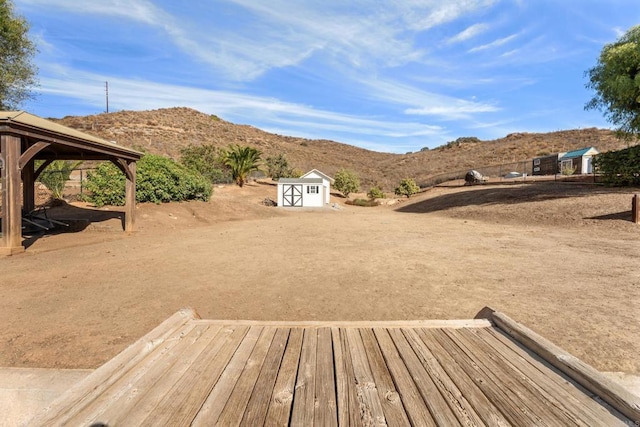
x,y
391,76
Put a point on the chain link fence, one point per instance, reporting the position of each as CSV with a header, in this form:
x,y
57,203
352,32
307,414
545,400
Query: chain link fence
x,y
520,169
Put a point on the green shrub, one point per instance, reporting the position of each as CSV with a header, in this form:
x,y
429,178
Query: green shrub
x,y
346,181
376,193
208,161
158,180
363,202
106,186
619,168
458,142
407,187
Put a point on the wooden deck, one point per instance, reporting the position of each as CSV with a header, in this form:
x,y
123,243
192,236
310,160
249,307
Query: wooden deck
x,y
189,371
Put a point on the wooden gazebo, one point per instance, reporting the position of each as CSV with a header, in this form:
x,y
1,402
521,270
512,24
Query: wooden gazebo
x,y
25,138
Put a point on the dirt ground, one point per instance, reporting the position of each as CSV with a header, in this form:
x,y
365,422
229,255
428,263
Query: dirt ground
x,y
560,258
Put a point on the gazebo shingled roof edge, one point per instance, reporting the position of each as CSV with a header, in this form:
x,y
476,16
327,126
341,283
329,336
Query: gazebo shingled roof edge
x,y
25,138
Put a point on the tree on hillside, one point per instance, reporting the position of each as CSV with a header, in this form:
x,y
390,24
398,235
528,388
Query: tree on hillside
x,y
346,181
616,80
17,71
278,167
407,187
242,161
206,159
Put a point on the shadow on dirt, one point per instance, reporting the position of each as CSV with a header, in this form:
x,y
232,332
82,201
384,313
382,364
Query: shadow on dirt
x,y
64,218
620,216
502,194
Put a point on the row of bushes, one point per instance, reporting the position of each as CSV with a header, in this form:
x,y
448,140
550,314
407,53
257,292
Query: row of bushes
x,y
158,180
161,180
619,168
347,181
407,187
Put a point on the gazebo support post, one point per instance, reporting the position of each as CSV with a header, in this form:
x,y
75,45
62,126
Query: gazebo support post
x,y
28,187
11,209
128,168
130,198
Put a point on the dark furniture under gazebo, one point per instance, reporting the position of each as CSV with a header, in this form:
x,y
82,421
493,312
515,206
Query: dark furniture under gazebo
x,y
25,138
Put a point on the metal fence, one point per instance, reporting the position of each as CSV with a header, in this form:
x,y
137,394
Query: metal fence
x,y
522,168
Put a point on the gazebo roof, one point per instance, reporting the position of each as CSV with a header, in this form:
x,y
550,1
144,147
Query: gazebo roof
x,y
66,142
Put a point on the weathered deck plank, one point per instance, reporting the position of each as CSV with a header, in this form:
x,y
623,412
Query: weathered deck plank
x,y
514,381
235,408
124,393
569,392
440,411
355,417
391,402
184,402
417,411
326,413
262,393
282,399
86,392
487,411
462,409
340,362
508,403
153,400
198,372
304,400
370,407
219,395
579,413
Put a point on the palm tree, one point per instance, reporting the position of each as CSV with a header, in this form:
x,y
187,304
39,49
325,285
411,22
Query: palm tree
x,y
242,161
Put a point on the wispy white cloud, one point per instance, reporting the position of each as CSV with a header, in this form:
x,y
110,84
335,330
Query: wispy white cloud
x,y
456,110
619,32
496,43
420,102
427,14
143,95
138,10
362,71
233,54
367,35
468,33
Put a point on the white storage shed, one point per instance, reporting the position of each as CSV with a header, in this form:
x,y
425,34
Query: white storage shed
x,y
313,189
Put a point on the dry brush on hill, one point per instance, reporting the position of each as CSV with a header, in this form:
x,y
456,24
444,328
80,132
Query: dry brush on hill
x,y
166,131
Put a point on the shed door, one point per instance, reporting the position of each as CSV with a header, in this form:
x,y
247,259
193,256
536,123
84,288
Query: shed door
x,y
292,195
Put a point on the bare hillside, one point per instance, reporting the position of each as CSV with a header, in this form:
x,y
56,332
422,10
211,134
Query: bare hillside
x,y
166,131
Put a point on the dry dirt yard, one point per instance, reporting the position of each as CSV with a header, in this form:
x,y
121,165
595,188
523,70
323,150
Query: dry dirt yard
x,y
561,258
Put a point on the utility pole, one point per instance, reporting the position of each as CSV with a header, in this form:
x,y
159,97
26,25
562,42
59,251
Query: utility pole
x,y
106,92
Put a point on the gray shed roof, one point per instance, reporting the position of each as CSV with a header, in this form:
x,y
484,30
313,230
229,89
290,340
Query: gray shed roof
x,y
300,181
